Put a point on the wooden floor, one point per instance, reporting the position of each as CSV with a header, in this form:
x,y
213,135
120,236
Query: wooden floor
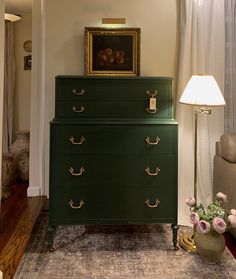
x,y
17,218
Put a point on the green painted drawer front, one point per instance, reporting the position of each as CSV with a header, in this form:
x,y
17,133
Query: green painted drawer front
x,y
88,97
108,139
117,89
102,205
119,170
85,109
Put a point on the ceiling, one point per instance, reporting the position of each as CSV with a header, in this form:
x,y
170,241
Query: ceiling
x,y
18,6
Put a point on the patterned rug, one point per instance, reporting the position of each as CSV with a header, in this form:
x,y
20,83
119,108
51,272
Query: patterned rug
x,y
115,252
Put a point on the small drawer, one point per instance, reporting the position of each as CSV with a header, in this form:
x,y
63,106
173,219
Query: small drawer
x,y
114,171
110,109
103,205
109,139
112,89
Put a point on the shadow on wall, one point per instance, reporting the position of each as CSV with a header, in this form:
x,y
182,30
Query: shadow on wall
x,y
70,52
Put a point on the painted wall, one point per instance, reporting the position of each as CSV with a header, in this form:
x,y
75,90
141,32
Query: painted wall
x,y
64,41
23,32
36,172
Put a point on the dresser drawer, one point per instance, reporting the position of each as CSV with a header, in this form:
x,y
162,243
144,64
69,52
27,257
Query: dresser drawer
x,y
89,97
114,171
109,88
88,205
116,109
109,139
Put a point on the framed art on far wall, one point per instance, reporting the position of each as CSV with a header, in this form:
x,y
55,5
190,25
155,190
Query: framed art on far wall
x,y
112,51
27,62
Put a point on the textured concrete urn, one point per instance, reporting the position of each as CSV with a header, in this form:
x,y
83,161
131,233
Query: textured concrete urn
x,y
210,246
20,151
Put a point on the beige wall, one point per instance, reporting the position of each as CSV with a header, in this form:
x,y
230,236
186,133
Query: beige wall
x,y
64,41
36,173
21,118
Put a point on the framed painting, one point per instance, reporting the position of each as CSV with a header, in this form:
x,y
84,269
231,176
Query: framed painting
x,y
27,62
112,51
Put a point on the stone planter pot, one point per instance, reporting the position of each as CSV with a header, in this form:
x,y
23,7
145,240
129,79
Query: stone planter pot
x,y
23,166
8,174
210,246
21,144
20,151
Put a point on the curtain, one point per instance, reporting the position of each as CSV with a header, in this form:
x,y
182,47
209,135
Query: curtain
x,y
201,52
230,66
9,82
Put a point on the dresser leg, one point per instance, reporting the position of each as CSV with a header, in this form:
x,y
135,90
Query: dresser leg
x,y
175,228
51,230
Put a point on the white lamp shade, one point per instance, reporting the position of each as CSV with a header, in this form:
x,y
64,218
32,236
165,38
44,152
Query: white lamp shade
x,y
12,17
202,91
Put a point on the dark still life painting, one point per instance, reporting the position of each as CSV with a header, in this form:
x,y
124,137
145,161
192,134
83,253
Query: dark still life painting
x,y
112,51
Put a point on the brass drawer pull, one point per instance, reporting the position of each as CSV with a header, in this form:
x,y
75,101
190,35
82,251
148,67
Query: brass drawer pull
x,y
71,171
71,203
155,92
81,140
152,205
151,110
147,170
81,109
75,92
147,139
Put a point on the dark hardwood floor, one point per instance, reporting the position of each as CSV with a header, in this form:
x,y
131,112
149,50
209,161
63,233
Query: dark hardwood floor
x,y
17,218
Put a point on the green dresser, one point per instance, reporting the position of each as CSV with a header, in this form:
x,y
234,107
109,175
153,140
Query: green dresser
x,y
113,152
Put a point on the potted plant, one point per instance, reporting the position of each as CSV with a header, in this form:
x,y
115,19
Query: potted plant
x,y
209,225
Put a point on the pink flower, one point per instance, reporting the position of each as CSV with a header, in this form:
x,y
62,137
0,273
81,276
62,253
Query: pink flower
x,y
221,197
232,220
194,218
233,211
190,201
203,227
219,224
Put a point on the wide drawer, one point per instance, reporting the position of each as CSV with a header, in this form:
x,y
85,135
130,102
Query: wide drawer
x,y
116,89
88,97
68,205
116,109
114,171
100,139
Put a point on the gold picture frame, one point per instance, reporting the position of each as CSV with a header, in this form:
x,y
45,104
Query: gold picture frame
x,y
112,51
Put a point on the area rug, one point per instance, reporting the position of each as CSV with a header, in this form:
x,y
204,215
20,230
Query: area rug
x,y
115,252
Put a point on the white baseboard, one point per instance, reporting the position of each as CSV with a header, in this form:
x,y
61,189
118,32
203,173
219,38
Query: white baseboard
x,y
33,192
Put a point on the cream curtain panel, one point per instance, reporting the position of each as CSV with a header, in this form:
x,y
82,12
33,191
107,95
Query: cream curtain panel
x,y
230,66
9,82
201,52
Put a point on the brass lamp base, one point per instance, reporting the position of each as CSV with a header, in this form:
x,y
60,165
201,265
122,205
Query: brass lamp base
x,y
186,241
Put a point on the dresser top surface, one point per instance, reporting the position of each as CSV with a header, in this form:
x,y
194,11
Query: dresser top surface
x,y
113,77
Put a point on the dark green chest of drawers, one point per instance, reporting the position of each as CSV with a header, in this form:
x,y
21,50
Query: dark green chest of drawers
x,y
112,158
